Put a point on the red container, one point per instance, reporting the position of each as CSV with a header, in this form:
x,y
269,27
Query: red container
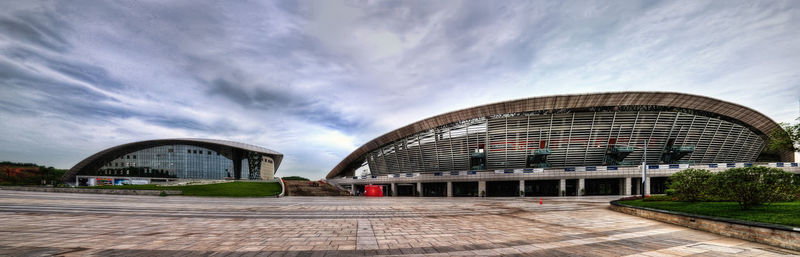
x,y
372,190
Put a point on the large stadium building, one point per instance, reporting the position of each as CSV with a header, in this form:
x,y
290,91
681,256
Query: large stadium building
x,y
584,144
165,160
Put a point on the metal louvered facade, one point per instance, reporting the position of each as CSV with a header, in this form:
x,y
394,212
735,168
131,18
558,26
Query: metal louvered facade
x,y
579,138
572,131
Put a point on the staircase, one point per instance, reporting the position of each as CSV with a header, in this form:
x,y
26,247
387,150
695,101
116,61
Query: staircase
x,y
312,188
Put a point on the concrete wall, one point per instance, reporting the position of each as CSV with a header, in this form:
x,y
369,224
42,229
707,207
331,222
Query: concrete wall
x,y
267,168
774,235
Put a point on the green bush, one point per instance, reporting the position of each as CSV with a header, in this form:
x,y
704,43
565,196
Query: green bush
x,y
690,184
162,193
753,186
670,192
656,198
295,178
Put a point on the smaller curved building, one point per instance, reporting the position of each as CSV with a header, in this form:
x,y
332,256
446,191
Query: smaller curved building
x,y
163,160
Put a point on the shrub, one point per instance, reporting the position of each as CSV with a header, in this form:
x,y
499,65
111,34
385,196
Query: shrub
x,y
754,185
690,184
163,193
659,198
670,192
483,193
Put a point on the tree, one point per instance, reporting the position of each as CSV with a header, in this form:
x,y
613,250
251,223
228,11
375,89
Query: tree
x,y
754,185
785,139
690,184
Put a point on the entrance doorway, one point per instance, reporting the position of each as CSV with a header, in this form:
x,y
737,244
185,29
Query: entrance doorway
x,y
541,187
502,188
465,189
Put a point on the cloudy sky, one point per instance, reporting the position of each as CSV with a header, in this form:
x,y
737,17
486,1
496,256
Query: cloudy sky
x,y
316,79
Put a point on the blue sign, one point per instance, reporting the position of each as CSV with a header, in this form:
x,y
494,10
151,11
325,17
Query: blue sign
x,y
611,168
713,165
652,167
569,169
674,166
731,165
527,170
396,175
780,164
454,173
472,172
408,175
794,164
748,165
508,171
437,174
591,168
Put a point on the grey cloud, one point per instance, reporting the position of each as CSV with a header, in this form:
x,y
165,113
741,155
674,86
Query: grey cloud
x,y
40,29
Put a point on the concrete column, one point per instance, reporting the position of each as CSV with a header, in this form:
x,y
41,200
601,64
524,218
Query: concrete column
x,y
394,189
449,188
627,185
647,187
562,186
481,187
352,189
419,188
522,187
580,186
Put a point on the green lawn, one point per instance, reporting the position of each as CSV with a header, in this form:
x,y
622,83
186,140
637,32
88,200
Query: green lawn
x,y
785,213
229,189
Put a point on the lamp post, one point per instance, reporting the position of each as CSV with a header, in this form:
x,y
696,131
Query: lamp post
x,y
644,169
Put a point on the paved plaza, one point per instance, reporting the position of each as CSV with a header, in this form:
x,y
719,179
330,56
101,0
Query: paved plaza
x,y
41,224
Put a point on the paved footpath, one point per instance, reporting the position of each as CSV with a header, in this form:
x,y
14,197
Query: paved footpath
x,y
43,224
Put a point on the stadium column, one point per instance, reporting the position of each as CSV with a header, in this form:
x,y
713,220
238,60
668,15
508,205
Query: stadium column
x,y
419,189
394,189
482,188
237,164
562,186
581,186
627,185
449,188
522,187
647,187
352,189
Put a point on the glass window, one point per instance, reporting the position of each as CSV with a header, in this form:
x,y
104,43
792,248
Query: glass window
x,y
195,151
127,156
209,152
134,156
188,151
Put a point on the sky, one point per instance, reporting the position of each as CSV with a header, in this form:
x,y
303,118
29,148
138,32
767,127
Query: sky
x,y
314,80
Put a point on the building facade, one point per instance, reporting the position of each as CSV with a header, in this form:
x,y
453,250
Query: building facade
x,y
557,142
175,159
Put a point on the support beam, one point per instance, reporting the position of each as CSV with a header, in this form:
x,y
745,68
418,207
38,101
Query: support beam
x,y
419,189
352,189
482,188
449,189
647,187
627,185
394,189
581,187
522,188
562,187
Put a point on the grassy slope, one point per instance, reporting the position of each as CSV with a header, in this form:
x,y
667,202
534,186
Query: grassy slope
x,y
230,189
785,213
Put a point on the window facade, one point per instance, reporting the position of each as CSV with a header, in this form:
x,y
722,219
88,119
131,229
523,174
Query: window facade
x,y
173,161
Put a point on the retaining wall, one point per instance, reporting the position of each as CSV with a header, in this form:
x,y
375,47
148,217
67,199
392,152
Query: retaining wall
x,y
91,190
775,235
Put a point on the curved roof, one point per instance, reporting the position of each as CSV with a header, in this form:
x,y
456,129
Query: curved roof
x,y
223,147
758,122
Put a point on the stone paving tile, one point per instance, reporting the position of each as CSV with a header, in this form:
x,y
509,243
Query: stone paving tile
x,y
40,224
